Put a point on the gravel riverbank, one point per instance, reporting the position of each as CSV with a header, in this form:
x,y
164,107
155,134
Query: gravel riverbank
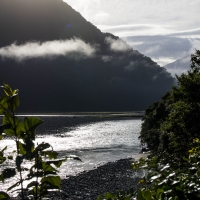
x,y
112,177
88,185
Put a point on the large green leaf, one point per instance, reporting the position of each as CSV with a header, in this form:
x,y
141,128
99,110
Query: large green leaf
x,y
9,132
4,195
3,100
13,126
31,124
22,148
53,181
159,193
3,104
8,118
20,130
13,102
48,168
2,109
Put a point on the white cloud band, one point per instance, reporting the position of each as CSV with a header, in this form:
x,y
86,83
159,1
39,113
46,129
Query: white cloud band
x,y
47,49
118,44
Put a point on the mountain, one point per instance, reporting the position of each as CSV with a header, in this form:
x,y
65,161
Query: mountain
x,y
62,63
179,66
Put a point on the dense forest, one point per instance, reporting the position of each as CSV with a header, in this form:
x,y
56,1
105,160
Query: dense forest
x,y
170,131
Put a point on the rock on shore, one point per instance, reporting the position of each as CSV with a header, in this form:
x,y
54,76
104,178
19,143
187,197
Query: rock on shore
x,y
110,177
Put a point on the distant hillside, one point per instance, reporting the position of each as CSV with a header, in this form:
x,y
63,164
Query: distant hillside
x,y
61,63
179,66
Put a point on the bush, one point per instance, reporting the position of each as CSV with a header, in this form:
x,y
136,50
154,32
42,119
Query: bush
x,y
170,125
164,182
42,175
173,167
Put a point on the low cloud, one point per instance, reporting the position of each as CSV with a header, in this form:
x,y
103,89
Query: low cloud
x,y
162,61
153,49
194,33
74,47
185,60
117,45
162,49
177,71
136,29
179,66
195,45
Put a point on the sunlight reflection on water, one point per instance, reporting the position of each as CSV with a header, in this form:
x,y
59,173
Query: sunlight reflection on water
x,y
95,143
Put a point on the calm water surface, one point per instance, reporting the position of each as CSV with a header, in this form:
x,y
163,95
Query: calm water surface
x,y
95,142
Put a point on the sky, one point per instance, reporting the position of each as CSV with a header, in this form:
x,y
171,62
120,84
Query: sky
x,y
165,30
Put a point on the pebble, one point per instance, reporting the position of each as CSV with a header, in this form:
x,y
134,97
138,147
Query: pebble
x,y
88,185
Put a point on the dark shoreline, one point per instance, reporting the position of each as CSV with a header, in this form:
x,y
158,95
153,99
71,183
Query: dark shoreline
x,y
88,185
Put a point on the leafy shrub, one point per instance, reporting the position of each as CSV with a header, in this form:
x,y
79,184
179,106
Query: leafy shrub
x,y
42,175
170,125
164,182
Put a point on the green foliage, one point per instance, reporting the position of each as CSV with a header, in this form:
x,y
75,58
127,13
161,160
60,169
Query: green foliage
x,y
43,174
170,129
170,125
154,116
163,182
